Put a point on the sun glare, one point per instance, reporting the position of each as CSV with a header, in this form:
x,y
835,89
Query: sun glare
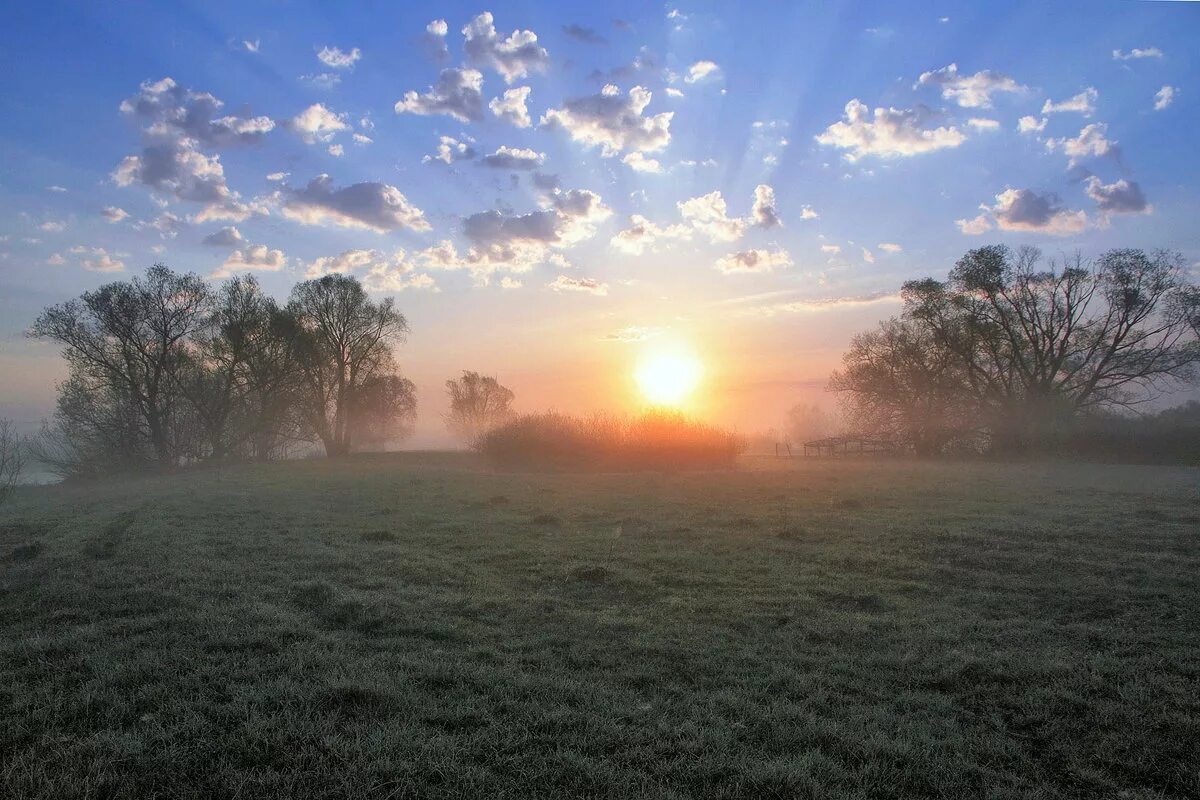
x,y
668,377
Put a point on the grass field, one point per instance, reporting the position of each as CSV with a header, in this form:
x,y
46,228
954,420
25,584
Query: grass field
x,y
411,626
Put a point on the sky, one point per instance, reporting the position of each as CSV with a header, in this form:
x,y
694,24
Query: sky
x,y
550,191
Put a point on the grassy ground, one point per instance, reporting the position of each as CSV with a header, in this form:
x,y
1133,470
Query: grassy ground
x,y
408,626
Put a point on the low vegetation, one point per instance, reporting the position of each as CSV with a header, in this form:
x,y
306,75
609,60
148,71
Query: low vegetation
x,y
391,626
654,440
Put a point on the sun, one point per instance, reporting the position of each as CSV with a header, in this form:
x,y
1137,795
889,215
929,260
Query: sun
x,y
668,377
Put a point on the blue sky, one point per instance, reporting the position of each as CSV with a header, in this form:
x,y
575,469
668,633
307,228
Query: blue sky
x,y
549,278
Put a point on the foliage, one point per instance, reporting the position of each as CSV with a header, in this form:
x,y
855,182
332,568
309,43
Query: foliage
x,y
345,353
165,371
478,403
1018,353
650,441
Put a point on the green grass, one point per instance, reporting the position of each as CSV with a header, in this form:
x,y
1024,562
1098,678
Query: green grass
x,y
410,626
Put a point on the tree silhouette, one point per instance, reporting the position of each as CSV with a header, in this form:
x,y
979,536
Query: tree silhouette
x,y
478,403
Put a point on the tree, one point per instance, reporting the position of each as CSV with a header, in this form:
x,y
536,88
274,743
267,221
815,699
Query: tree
x,y
478,403
899,383
125,345
385,410
1040,346
12,458
243,372
344,343
807,422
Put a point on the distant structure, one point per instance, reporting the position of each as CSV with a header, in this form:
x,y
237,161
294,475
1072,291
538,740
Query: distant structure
x,y
846,445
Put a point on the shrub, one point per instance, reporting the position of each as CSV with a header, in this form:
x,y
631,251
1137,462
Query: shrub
x,y
651,441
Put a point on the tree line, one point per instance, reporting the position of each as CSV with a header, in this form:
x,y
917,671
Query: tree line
x,y
166,370
1012,353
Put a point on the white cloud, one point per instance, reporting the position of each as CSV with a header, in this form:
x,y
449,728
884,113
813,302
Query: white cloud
x,y
255,258
820,305
631,334
377,207
890,247
868,256
113,214
701,70
764,214
643,234
1164,97
1137,52
1025,210
1082,103
754,261
381,272
639,163
397,279
513,57
832,249
56,260
975,226
176,169
437,28
889,133
1119,197
1091,142
345,263
564,283
969,91
510,283
457,93
514,158
57,189
99,259
275,177
807,212
673,92
337,58
361,139
52,226
450,150
982,124
167,224
708,214
517,243
1031,124
612,121
336,150
323,80
229,236
173,112
318,124
511,107
250,46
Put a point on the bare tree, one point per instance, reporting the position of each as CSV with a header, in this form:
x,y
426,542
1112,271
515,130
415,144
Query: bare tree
x,y
385,410
12,458
898,382
344,343
478,403
125,346
1040,346
242,373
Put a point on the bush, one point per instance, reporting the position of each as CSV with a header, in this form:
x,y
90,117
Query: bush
x,y
651,441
